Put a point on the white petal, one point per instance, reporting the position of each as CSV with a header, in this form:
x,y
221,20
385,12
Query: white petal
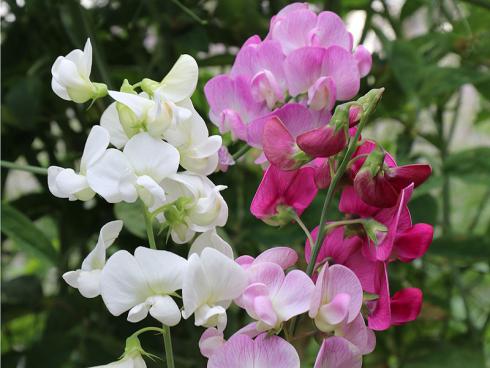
x,y
164,271
53,172
95,146
181,81
89,283
87,59
195,288
123,284
151,156
138,104
150,192
110,121
215,265
70,182
59,90
113,178
213,240
138,312
71,278
211,317
165,310
107,235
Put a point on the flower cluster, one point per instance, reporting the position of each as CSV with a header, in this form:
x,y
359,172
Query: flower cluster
x,y
279,97
281,91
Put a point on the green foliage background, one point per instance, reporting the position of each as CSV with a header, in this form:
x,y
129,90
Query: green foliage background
x,y
47,324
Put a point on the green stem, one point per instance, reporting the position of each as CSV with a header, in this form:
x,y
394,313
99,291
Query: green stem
x,y
149,229
20,167
368,110
190,13
146,329
167,342
167,339
302,226
241,152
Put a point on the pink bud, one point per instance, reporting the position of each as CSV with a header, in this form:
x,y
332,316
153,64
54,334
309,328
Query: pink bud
x,y
405,305
322,142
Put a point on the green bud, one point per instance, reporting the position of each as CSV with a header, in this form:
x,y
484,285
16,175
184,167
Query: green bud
x,y
127,87
149,85
100,90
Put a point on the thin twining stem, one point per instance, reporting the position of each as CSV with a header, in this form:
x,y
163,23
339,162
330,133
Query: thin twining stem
x,y
21,167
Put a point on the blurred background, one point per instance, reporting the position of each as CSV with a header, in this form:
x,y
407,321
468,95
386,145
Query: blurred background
x,y
433,58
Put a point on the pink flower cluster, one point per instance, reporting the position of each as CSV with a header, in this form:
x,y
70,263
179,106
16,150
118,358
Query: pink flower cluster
x,y
290,81
280,97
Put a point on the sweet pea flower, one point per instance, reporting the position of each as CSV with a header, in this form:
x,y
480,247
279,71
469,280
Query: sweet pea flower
x,y
380,185
143,283
336,299
281,191
87,279
193,204
161,105
135,172
198,151
261,63
128,361
206,293
66,183
71,76
284,257
211,239
232,105
272,297
241,351
225,159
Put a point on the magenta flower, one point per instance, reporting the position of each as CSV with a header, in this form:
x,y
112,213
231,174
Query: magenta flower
x,y
380,184
280,190
241,351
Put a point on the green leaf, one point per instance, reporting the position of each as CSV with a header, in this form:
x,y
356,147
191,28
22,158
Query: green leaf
x,y
132,214
461,246
470,165
25,234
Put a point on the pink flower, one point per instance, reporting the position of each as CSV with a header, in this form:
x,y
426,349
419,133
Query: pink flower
x,y
338,352
285,257
232,104
380,185
282,190
336,299
241,351
273,297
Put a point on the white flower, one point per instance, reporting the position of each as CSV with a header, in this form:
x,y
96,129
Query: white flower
x,y
65,183
136,171
71,76
198,151
194,204
210,239
211,282
87,279
167,107
143,283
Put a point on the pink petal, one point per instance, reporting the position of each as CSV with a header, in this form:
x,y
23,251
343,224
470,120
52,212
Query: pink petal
x,y
359,335
322,94
225,160
264,310
342,67
265,88
293,297
210,341
283,256
318,291
279,144
238,351
322,172
405,305
273,351
343,281
267,273
245,261
375,190
413,242
250,330
337,310
402,176
330,30
351,203
303,67
337,352
380,316
292,30
364,60
322,142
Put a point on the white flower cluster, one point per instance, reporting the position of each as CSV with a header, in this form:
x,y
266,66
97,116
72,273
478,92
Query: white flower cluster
x,y
152,133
